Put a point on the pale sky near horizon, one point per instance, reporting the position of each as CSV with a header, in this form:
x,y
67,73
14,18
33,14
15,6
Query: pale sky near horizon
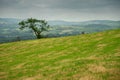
x,y
68,10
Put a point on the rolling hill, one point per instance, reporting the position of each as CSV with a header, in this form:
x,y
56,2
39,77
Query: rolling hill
x,y
9,29
93,56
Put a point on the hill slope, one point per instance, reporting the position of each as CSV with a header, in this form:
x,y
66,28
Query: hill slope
x,y
84,57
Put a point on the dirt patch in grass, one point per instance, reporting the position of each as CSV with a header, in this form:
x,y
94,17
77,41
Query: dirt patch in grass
x,y
2,75
45,55
37,77
19,66
65,61
117,52
101,45
96,68
76,77
88,77
93,57
114,74
99,38
100,34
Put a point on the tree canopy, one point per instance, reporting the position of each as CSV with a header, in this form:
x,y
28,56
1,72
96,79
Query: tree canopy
x,y
37,26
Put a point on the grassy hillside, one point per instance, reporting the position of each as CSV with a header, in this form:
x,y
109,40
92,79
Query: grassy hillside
x,y
84,57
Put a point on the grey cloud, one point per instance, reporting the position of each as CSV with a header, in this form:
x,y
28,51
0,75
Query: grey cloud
x,y
62,4
83,4
60,9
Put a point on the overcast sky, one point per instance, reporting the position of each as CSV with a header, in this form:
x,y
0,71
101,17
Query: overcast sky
x,y
68,10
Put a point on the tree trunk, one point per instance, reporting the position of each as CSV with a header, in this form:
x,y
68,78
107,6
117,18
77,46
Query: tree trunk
x,y
38,36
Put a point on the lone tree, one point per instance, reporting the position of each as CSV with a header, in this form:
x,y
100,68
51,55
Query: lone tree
x,y
37,26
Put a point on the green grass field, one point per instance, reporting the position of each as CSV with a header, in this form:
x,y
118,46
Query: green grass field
x,y
84,57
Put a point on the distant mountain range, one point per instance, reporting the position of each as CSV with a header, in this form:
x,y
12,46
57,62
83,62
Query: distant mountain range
x,y
9,28
61,22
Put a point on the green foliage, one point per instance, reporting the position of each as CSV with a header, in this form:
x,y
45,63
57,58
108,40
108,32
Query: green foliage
x,y
83,57
37,26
